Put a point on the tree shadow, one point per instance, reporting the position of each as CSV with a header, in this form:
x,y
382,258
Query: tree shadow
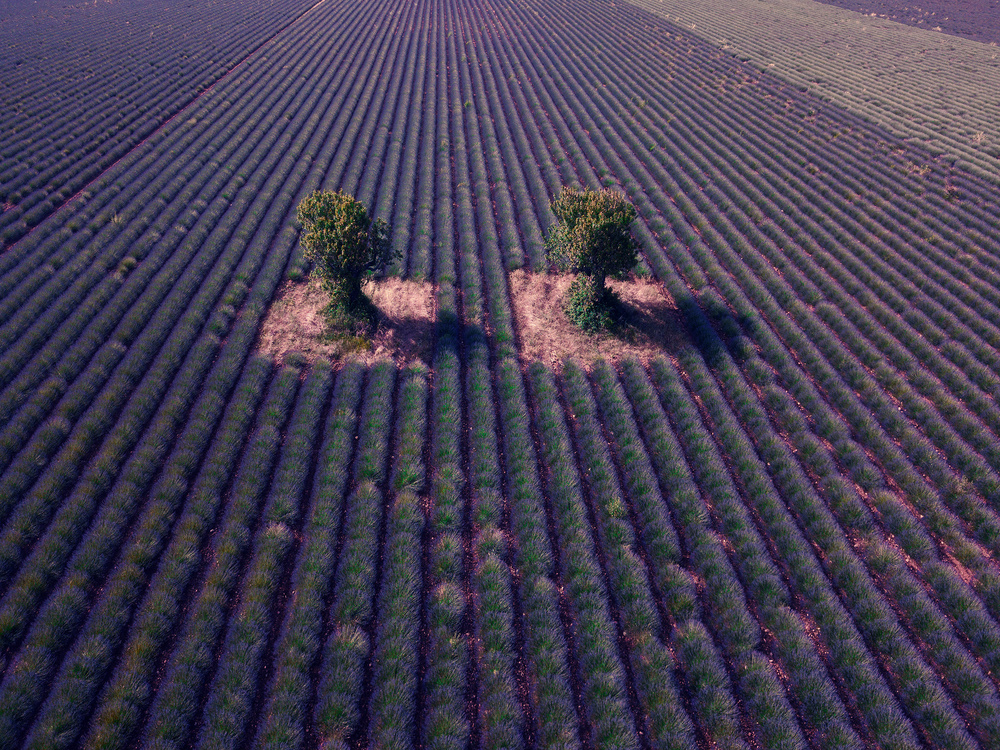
x,y
645,321
407,337
712,328
657,321
401,326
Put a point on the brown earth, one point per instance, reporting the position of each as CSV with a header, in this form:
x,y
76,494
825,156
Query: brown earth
x,y
295,322
651,324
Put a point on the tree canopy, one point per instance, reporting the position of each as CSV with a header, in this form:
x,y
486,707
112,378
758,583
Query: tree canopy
x,y
593,236
343,243
594,239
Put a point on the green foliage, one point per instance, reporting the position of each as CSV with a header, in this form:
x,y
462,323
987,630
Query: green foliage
x,y
589,304
593,236
345,245
593,239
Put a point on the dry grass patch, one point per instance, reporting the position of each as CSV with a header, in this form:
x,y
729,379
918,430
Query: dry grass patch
x,y
650,325
296,322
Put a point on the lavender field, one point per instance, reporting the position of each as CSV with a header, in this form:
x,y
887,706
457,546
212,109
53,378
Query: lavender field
x,y
782,530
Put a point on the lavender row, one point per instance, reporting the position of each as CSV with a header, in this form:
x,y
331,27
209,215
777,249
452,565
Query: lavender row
x,y
809,685
235,687
49,634
641,568
550,692
285,711
393,672
181,693
63,469
608,717
337,713
728,609
496,625
89,134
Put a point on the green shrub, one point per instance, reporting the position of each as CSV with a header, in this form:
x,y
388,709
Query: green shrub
x,y
589,304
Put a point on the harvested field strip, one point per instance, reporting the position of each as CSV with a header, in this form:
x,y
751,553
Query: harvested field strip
x,y
935,89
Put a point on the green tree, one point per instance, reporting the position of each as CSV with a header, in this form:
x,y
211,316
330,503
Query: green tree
x,y
593,239
345,246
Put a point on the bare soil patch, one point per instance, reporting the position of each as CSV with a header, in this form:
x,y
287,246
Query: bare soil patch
x,y
651,324
296,322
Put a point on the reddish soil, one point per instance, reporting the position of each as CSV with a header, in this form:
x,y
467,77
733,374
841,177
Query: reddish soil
x,y
651,324
295,323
